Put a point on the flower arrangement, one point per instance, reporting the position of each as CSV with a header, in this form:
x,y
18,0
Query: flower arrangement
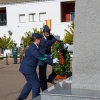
x,y
63,67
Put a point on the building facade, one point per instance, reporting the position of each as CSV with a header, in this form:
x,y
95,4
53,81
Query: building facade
x,y
18,18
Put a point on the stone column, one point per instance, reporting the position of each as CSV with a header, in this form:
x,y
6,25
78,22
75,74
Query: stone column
x,y
86,55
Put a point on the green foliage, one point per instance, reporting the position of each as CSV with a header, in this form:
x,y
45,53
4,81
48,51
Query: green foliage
x,y
1,58
38,31
68,38
6,42
27,38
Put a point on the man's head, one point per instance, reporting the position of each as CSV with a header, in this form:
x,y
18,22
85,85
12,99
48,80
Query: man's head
x,y
15,44
21,44
46,31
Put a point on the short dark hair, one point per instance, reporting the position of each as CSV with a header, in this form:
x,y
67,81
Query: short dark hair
x,y
46,31
34,38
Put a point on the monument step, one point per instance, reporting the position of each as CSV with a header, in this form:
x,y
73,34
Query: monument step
x,y
37,98
63,91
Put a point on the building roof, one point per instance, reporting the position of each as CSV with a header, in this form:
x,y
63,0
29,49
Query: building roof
x,y
18,1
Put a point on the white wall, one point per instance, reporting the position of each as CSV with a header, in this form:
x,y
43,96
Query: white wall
x,y
52,9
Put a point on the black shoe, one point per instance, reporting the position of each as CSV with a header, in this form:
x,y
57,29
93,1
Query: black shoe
x,y
51,81
69,75
14,63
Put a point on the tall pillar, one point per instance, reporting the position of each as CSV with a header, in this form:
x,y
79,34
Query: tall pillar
x,y
86,55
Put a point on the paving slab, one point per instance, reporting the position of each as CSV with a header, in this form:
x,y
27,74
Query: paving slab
x,y
12,81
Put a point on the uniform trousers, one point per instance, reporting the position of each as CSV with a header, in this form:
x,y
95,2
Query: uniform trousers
x,y
21,58
15,58
43,76
32,84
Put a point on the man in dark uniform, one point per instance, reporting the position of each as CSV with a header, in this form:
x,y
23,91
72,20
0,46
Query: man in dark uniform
x,y
15,53
45,48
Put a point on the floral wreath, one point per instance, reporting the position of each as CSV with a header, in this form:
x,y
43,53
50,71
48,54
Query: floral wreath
x,y
61,68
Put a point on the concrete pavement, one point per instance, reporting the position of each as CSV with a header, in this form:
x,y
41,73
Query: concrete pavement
x,y
12,81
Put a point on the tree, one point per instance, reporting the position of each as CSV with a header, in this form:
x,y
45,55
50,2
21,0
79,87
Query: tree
x,y
38,31
6,42
27,38
68,38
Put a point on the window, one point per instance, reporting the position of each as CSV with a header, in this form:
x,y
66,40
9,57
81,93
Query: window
x,y
32,17
72,15
3,16
22,18
42,16
3,19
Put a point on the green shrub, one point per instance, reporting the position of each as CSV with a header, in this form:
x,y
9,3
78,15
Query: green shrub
x,y
27,38
68,38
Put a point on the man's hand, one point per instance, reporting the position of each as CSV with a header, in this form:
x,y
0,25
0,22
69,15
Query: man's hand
x,y
56,60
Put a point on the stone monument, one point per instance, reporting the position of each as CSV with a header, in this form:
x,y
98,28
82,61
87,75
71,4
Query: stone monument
x,y
86,56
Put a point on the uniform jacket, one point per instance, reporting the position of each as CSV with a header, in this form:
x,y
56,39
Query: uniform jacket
x,y
45,45
31,58
21,50
14,51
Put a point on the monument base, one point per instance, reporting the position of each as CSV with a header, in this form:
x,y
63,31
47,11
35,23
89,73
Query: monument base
x,y
63,91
